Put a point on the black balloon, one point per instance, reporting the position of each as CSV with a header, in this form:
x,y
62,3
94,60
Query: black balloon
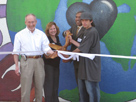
x,y
104,13
73,9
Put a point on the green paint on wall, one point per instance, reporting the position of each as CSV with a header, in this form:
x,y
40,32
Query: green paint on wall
x,y
119,97
17,9
71,95
69,2
120,37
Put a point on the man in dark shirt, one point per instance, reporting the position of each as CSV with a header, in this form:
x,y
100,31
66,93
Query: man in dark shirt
x,y
89,72
77,30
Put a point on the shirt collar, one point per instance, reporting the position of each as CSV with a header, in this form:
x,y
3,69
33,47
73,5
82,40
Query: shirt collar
x,y
79,27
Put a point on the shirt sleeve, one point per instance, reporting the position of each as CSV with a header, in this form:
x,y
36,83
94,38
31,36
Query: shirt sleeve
x,y
17,45
45,44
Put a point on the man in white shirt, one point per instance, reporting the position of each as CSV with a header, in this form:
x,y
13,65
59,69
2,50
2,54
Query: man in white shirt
x,y
31,42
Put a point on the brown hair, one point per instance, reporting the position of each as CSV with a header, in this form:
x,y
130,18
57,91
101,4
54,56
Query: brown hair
x,y
48,27
92,23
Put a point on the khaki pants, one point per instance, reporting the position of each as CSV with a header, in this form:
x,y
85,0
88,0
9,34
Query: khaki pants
x,y
32,70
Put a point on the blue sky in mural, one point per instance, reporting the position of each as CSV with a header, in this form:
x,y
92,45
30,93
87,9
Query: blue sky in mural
x,y
87,1
114,78
135,17
124,8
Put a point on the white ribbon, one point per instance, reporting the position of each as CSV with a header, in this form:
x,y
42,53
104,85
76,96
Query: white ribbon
x,y
91,56
75,55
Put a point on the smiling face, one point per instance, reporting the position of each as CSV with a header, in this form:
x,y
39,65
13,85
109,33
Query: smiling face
x,y
30,22
52,30
78,20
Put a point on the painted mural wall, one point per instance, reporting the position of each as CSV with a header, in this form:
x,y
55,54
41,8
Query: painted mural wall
x,y
116,23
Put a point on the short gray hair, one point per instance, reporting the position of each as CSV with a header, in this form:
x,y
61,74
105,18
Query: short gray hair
x,y
29,15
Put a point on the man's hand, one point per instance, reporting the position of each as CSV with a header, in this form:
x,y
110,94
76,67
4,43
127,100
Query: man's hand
x,y
16,64
70,39
17,71
52,56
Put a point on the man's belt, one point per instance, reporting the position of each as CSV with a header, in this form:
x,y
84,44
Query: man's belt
x,y
34,57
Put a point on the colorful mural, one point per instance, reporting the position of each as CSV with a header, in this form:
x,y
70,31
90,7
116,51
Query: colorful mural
x,y
116,24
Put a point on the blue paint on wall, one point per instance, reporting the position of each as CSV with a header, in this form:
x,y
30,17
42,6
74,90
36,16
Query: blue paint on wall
x,y
124,8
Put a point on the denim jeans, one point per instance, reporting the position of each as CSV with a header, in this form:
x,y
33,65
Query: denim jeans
x,y
89,91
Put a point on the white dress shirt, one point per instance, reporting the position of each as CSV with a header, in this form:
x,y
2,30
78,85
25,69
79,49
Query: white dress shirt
x,y
31,43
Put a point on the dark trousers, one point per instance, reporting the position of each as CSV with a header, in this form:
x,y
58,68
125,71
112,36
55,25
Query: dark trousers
x,y
76,65
51,83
